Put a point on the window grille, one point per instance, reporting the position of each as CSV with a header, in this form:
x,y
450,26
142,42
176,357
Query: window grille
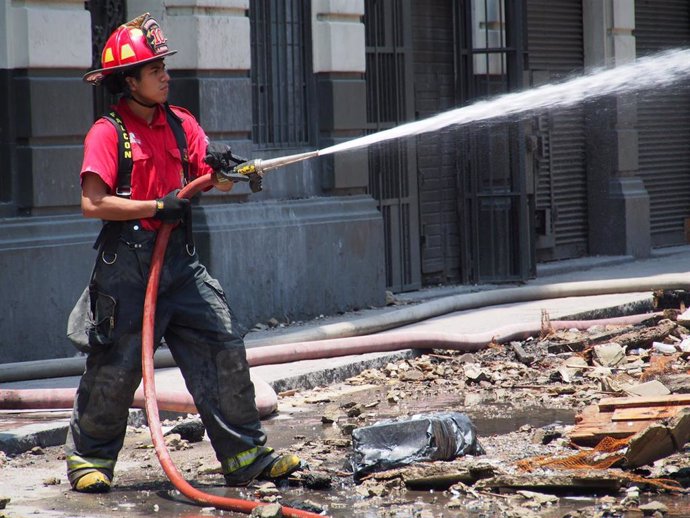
x,y
106,16
280,72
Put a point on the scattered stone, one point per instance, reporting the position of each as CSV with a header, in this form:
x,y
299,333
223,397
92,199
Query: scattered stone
x,y
545,436
650,388
313,480
355,410
676,383
190,431
338,442
265,489
317,399
632,497
390,298
684,318
306,505
4,501
37,450
617,383
571,367
412,375
273,322
608,355
346,427
52,481
371,488
521,355
175,442
664,348
330,415
474,373
653,507
540,499
267,511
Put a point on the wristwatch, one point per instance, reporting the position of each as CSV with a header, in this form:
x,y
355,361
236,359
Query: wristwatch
x,y
221,179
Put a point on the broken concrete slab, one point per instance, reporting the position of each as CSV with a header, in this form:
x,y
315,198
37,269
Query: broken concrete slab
x,y
48,433
608,355
24,438
658,440
676,383
649,388
438,475
607,481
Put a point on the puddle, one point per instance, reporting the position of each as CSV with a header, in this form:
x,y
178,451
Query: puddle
x,y
491,417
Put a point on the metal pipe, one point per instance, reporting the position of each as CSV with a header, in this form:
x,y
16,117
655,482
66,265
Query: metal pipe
x,y
266,164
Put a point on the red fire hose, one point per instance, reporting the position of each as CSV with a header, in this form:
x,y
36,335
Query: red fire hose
x,y
151,405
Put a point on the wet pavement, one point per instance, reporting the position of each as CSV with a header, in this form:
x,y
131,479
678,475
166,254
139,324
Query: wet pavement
x,y
493,417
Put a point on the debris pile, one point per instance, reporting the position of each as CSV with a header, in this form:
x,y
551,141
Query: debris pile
x,y
602,415
627,387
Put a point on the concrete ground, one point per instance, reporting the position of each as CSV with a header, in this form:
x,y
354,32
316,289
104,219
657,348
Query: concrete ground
x,y
22,430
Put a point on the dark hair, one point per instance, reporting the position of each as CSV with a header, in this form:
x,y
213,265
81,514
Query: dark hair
x,y
116,84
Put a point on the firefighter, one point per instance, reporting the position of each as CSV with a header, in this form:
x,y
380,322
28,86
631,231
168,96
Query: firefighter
x,y
135,161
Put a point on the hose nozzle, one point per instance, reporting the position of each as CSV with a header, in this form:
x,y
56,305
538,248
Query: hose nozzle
x,y
260,166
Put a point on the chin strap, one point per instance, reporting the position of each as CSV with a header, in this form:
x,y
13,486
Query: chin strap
x,y
142,103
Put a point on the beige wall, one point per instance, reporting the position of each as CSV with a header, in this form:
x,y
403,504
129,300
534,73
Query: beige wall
x,y
45,34
338,35
209,34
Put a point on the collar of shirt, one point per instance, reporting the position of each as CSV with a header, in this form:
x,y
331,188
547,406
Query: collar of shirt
x,y
159,117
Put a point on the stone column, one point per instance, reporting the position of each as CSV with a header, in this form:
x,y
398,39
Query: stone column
x,y
211,69
46,108
339,62
45,111
618,201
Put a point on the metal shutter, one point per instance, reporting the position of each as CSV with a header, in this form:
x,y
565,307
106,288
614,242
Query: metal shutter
x,y
434,80
664,123
555,46
392,175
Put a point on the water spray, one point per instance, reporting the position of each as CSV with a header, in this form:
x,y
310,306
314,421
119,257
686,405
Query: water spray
x,y
652,72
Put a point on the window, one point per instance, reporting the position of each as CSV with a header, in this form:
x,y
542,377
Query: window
x,y
489,47
281,68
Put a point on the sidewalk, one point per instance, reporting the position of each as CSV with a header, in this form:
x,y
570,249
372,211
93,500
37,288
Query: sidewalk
x,y
20,431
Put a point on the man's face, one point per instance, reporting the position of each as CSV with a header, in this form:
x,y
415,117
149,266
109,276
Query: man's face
x,y
152,87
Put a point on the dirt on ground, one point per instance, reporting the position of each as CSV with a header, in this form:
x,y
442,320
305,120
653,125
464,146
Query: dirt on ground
x,y
522,400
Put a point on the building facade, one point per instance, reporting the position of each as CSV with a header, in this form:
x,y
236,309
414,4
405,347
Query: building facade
x,y
472,204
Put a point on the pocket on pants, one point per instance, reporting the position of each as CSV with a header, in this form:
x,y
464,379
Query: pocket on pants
x,y
103,313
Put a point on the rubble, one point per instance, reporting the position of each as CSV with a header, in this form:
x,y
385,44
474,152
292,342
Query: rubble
x,y
541,407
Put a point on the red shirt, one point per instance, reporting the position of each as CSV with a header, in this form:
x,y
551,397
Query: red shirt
x,y
157,166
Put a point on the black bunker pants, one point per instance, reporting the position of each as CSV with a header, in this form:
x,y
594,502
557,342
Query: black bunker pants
x,y
199,327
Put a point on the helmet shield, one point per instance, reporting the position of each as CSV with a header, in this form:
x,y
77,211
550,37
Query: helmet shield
x,y
134,43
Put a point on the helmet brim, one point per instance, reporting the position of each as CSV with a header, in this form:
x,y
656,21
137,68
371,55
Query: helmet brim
x,y
96,76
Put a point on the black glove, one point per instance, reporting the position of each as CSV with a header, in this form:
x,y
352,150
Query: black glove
x,y
219,157
222,161
170,208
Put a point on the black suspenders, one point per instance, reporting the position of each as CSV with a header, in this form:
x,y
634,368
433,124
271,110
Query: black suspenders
x,y
110,233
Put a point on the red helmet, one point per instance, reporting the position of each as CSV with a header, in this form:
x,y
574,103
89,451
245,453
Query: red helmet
x,y
134,43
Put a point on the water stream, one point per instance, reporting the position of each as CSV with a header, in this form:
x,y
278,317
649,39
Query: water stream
x,y
652,72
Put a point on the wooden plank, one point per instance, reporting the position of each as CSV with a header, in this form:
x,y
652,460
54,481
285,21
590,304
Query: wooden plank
x,y
654,413
590,436
618,428
610,404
